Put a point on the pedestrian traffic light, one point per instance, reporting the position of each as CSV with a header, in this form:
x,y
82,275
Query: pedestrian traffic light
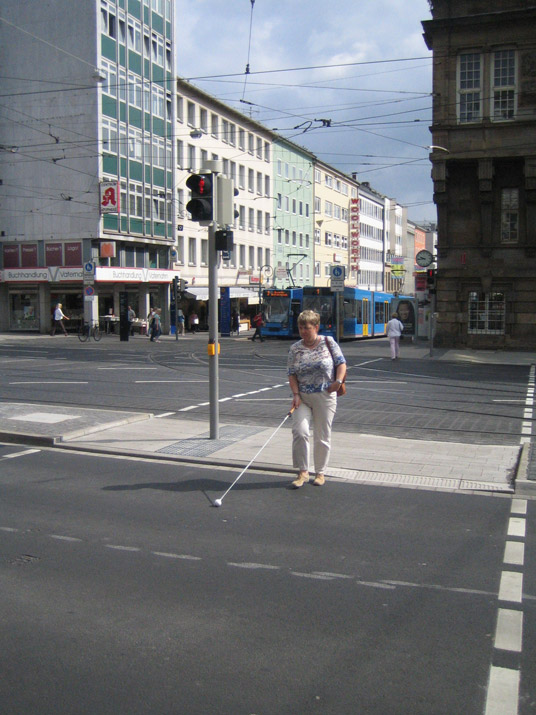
x,y
201,204
182,285
431,279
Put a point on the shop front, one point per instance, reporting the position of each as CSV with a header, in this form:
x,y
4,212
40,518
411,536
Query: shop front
x,y
28,296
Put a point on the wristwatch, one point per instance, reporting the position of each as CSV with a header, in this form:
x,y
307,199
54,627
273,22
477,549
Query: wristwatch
x,y
339,381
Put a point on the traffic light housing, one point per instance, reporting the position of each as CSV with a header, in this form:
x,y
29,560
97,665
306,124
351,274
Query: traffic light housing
x,y
175,287
201,204
225,213
431,279
182,285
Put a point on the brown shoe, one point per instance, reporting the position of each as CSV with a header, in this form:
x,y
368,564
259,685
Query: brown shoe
x,y
303,478
319,481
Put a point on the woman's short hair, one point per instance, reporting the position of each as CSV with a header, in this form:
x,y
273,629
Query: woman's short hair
x,y
308,317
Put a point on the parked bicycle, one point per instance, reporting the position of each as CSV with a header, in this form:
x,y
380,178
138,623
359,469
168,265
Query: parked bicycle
x,y
87,331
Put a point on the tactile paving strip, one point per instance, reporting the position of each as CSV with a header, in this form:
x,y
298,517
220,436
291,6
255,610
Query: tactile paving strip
x,y
203,446
417,481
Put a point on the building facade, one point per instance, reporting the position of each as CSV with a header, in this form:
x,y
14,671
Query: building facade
x,y
332,193
209,130
293,214
88,168
484,171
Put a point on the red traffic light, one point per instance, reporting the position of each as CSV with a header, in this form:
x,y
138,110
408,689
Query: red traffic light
x,y
200,205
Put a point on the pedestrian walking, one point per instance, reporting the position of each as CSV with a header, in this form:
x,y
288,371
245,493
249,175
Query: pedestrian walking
x,y
180,320
156,326
258,322
235,322
194,322
394,331
316,370
59,317
131,317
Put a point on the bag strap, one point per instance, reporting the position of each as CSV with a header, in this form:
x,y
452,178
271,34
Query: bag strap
x,y
326,341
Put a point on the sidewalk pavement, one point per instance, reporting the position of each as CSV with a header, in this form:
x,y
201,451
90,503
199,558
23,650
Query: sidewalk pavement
x,y
358,458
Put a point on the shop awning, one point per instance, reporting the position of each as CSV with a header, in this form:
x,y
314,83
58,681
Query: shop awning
x,y
201,293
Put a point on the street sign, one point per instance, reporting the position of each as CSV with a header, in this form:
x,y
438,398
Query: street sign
x,y
337,278
89,291
89,273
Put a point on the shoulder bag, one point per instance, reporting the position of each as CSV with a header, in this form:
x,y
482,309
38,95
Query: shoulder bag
x,y
342,389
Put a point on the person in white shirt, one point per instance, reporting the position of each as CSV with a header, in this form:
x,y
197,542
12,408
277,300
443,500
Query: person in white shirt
x,y
394,331
59,317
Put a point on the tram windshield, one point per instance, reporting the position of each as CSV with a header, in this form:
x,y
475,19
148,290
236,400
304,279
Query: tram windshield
x,y
277,309
322,305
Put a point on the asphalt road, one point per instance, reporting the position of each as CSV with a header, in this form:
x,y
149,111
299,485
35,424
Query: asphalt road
x,y
419,398
124,591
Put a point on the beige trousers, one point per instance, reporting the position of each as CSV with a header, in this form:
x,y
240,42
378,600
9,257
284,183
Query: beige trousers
x,y
320,408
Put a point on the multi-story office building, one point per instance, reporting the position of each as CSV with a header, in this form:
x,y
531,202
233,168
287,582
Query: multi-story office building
x,y
209,130
332,193
87,168
372,238
484,170
293,214
396,218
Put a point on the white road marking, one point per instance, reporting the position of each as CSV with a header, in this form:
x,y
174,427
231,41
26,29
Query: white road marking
x,y
311,575
14,455
49,382
122,548
8,528
503,691
248,565
519,506
514,553
64,538
516,526
127,367
186,409
509,632
165,414
511,587
184,557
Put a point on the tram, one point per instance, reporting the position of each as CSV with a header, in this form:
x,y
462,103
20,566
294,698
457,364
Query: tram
x,y
363,313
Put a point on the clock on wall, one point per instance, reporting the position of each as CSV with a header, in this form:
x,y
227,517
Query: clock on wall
x,y
424,258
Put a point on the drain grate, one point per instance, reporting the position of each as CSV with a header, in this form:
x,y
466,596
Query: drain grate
x,y
203,446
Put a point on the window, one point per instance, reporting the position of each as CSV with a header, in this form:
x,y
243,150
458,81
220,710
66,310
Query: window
x,y
509,215
280,236
259,257
267,223
204,252
158,101
469,86
317,236
266,151
266,185
192,251
486,313
135,200
251,180
180,153
504,81
214,125
109,84
134,144
180,203
259,183
180,250
134,90
251,143
157,45
318,207
109,136
191,114
225,131
259,148
203,120
241,176
328,208
180,109
251,257
108,24
259,221
251,219
232,134
242,258
134,35
191,157
317,269
241,139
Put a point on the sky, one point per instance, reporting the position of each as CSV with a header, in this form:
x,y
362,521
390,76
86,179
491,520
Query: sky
x,y
362,66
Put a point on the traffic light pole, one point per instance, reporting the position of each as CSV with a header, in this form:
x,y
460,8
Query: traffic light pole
x,y
213,346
